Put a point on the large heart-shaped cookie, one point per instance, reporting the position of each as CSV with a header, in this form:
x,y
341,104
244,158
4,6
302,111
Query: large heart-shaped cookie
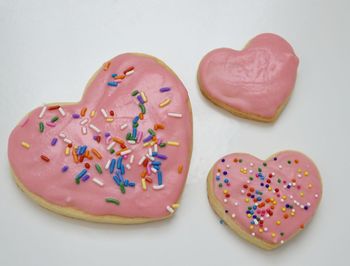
x,y
120,155
253,83
265,202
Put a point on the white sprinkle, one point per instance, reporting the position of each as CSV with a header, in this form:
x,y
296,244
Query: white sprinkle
x,y
132,158
62,135
142,160
236,203
154,170
107,164
158,187
67,141
43,110
253,234
280,166
316,195
266,229
178,115
227,166
124,126
111,145
233,215
84,121
129,72
104,113
128,166
98,182
282,242
125,152
250,171
171,210
143,95
131,141
108,139
150,157
155,148
225,200
251,164
242,191
95,128
84,130
150,151
62,112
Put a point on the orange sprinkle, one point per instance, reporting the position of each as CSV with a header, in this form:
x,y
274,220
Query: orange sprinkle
x,y
285,216
180,168
118,140
96,153
158,126
143,174
106,65
45,158
120,77
75,156
83,111
148,179
302,226
141,116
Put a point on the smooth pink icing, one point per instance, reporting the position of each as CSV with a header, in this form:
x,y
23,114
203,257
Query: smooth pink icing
x,y
256,80
46,179
282,170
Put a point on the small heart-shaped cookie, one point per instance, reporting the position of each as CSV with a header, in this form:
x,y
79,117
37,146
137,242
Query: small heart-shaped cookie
x,y
265,202
253,83
120,155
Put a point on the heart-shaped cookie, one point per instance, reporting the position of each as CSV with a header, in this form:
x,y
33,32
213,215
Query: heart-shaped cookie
x,y
120,155
265,202
253,83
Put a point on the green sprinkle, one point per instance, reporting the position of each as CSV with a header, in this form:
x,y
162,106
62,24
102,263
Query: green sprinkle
x,y
111,150
98,168
112,200
135,125
264,164
54,119
77,180
279,180
135,92
128,136
122,188
162,145
220,185
142,107
251,178
151,131
289,162
240,160
259,170
41,127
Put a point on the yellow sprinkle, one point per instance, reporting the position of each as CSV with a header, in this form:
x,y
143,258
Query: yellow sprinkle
x,y
273,234
25,145
299,170
292,213
109,119
275,202
251,227
143,95
261,230
309,186
152,142
283,209
284,197
225,191
306,173
247,200
301,194
269,189
249,215
175,205
92,113
146,144
67,151
143,182
165,102
173,143
278,222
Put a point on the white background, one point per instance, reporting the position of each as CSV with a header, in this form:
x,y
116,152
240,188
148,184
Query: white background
x,y
48,51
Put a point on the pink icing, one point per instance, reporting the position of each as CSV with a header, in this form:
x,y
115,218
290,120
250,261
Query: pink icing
x,y
256,80
292,168
46,179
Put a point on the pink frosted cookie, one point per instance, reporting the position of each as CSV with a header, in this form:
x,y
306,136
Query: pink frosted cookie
x,y
254,83
265,202
120,155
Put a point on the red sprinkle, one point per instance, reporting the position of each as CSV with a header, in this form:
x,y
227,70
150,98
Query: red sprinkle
x,y
45,158
53,107
128,70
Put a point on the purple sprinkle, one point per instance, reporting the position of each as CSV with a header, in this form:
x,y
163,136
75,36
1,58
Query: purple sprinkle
x,y
85,178
148,138
53,141
76,116
95,137
161,156
50,124
107,134
164,89
64,168
139,97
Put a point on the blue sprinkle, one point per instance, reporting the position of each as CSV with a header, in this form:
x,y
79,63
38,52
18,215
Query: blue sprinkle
x,y
82,173
85,178
112,166
119,163
160,177
131,184
156,163
134,132
222,221
114,75
226,180
122,169
112,83
135,120
126,183
116,179
217,177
